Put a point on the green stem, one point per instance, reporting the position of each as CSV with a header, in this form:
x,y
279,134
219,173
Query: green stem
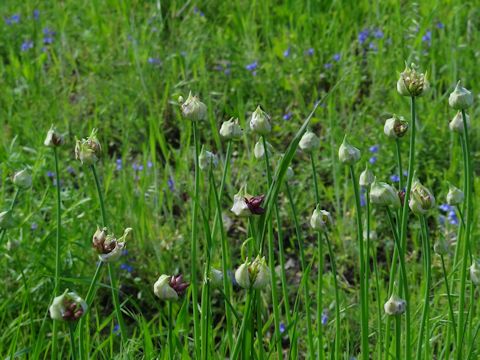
x,y
225,257
72,338
337,298
12,205
426,301
403,229
57,253
111,270
398,337
303,263
240,337
193,246
363,295
170,331
271,261
466,244
449,296
320,353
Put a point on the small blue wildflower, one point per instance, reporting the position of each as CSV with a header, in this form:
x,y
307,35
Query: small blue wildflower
x,y
378,33
282,328
363,36
48,32
337,57
26,45
427,38
254,73
372,160
374,148
452,217
440,25
171,184
363,199
286,53
124,252
149,164
48,40
227,71
405,173
445,207
154,61
287,116
126,267
310,52
324,317
119,164
36,14
50,174
252,66
395,178
196,10
15,18
218,68
34,226
116,329
328,66
140,167
372,46
183,53
71,170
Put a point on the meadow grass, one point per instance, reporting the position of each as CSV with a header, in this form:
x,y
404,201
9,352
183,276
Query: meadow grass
x,y
329,66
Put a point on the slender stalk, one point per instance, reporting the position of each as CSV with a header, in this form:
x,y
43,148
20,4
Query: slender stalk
x,y
449,295
320,354
426,301
337,298
281,251
170,331
261,350
363,295
403,228
271,261
398,337
240,336
72,339
111,270
303,263
193,246
466,244
225,259
57,253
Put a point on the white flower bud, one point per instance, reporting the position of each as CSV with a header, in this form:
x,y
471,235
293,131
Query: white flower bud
x,y
67,307
207,159
6,220
163,290
231,130
412,83
259,150
320,219
88,150
260,122
109,248
309,142
22,179
253,274
395,306
455,196
53,138
421,199
456,125
242,276
383,194
475,272
366,178
348,154
460,98
193,109
240,206
395,127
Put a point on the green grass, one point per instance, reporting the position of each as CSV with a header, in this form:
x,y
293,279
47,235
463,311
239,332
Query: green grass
x,y
120,66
